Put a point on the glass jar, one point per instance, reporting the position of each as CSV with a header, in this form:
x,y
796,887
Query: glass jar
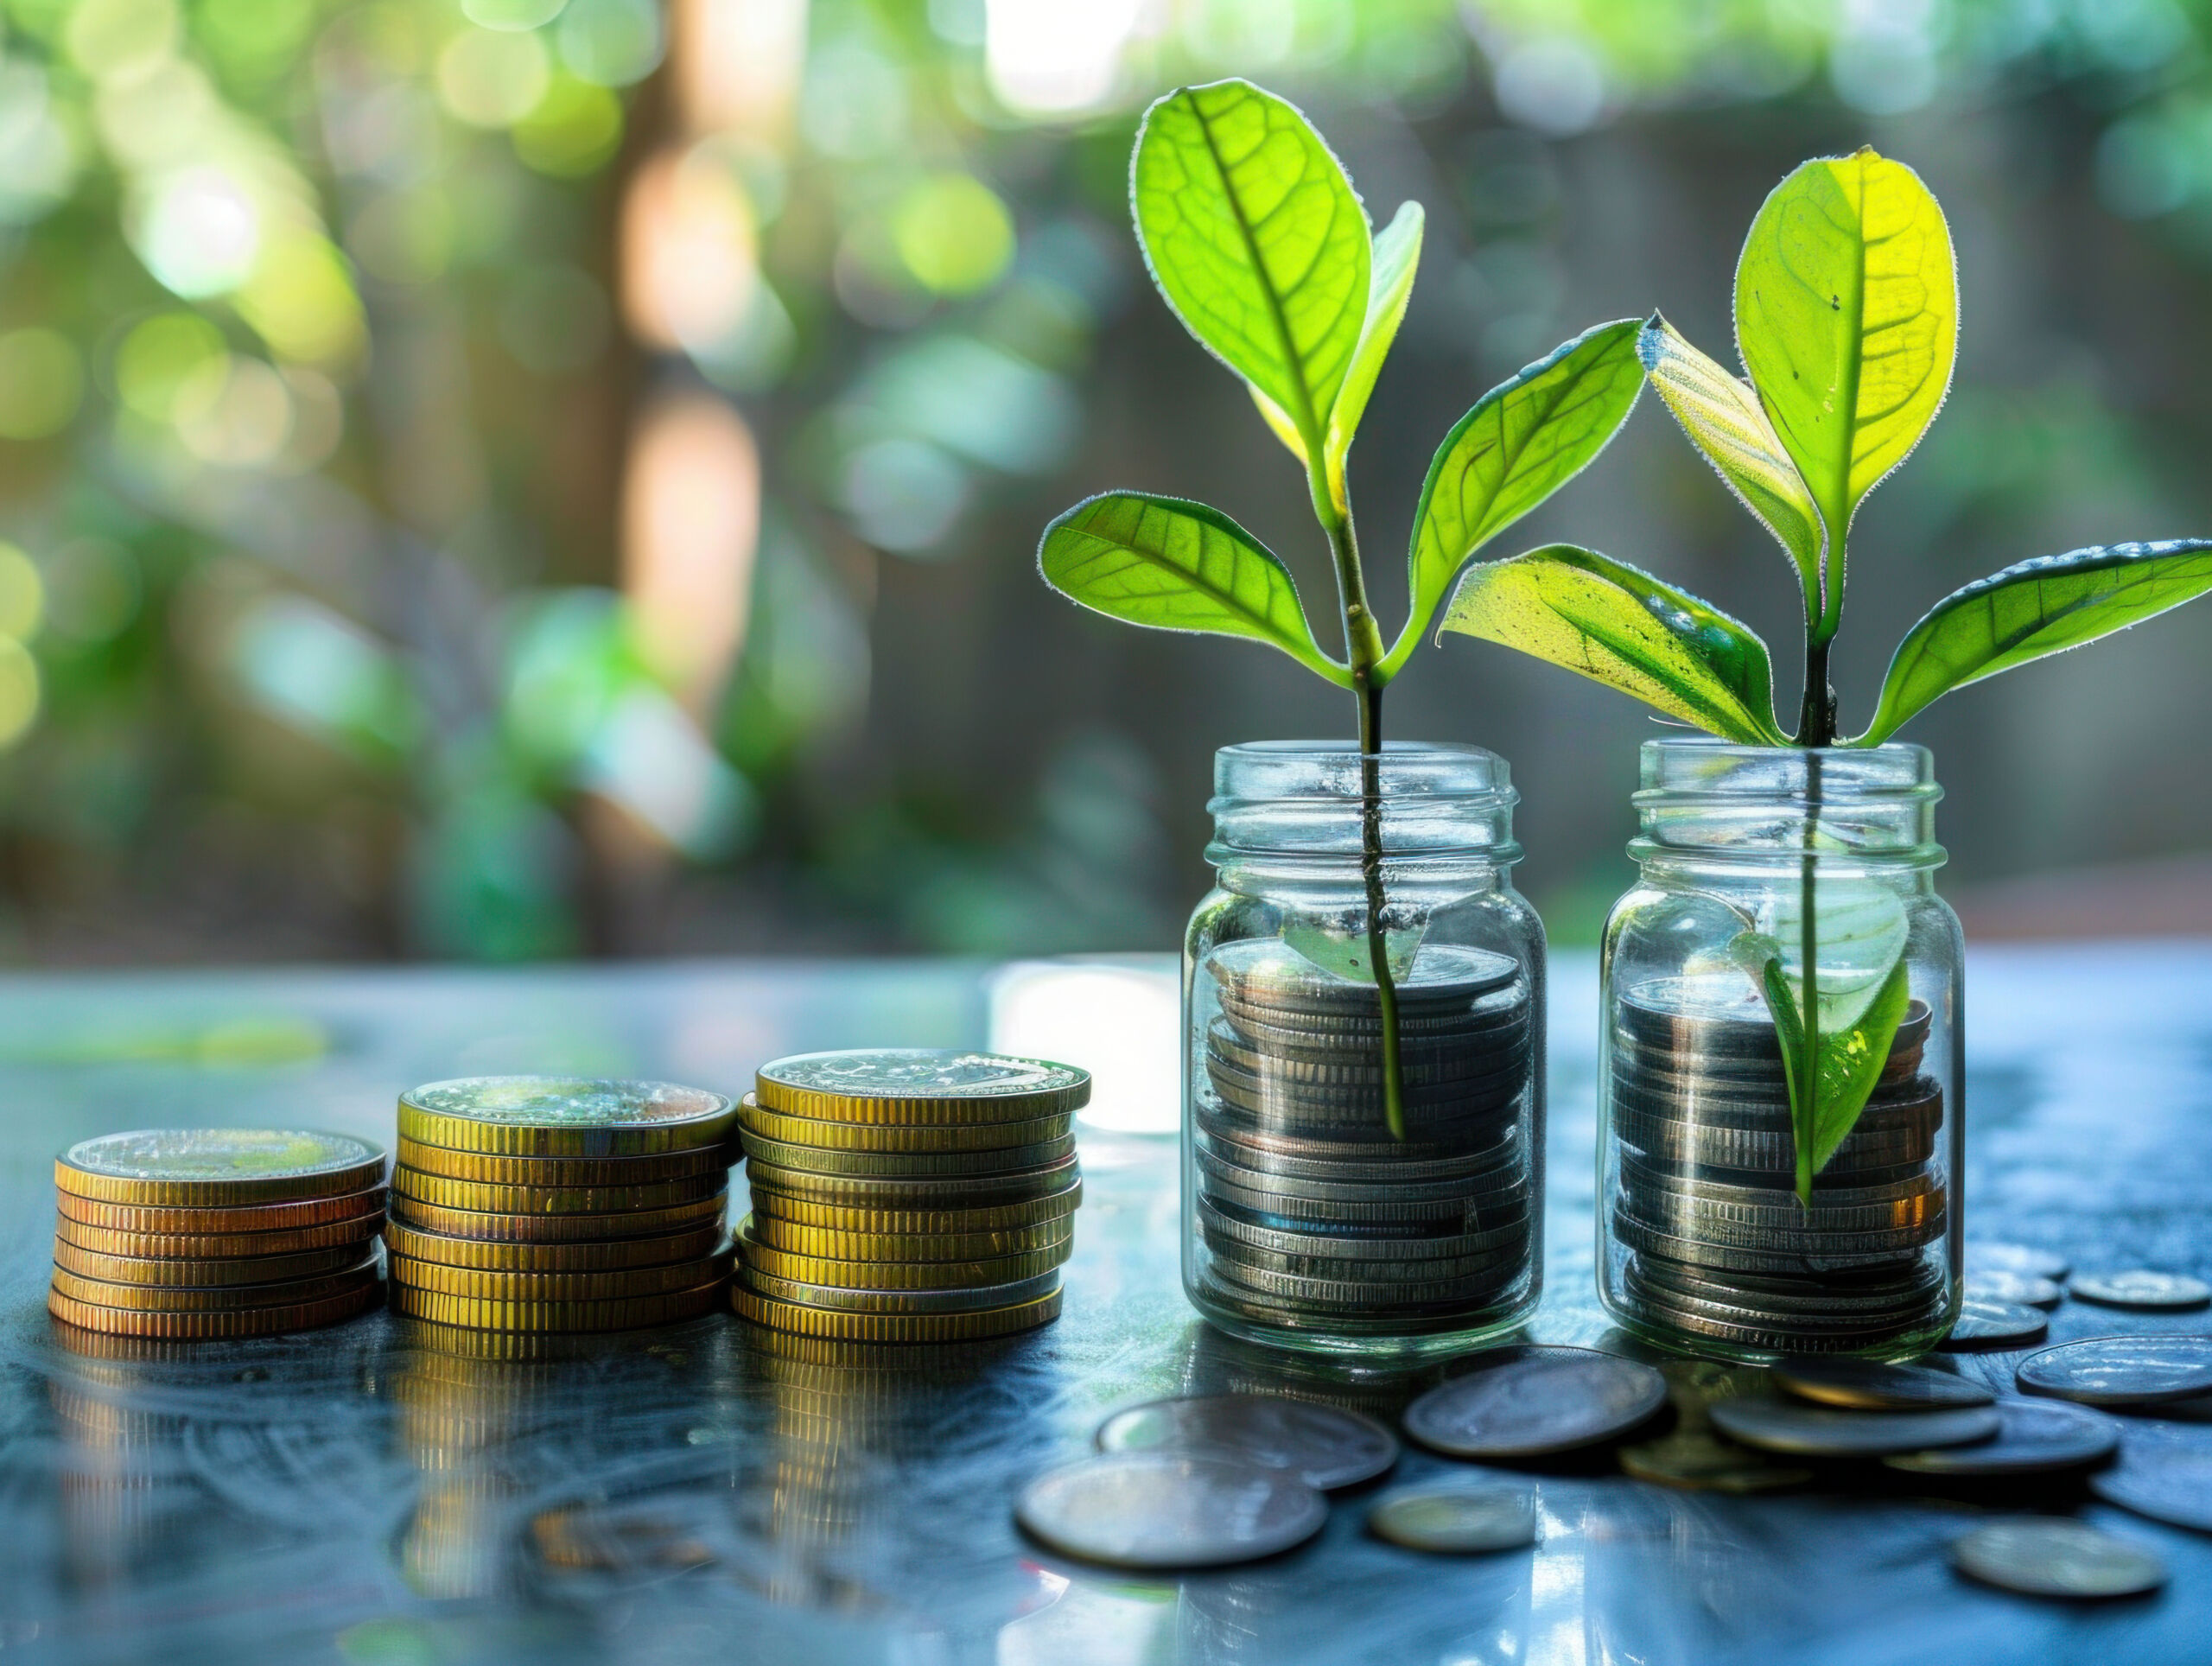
x,y
1732,1221
1317,1213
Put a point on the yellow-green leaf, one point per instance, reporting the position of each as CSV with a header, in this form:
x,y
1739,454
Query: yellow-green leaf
x,y
1178,566
1390,287
2031,609
1627,630
1846,315
1524,439
1255,236
1848,1063
1724,419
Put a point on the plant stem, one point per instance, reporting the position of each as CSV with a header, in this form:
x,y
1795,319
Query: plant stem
x,y
1809,945
1364,653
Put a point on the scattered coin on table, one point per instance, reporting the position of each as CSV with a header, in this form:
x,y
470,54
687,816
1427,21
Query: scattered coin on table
x,y
1697,1461
2167,1482
2034,1437
1870,1385
2121,1370
2024,1259
1168,1510
1983,1325
1455,1519
1528,1401
1789,1426
2046,1556
1323,1446
2026,1289
2140,1288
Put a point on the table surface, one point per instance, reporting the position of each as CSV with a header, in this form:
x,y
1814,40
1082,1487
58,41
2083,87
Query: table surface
x,y
685,1495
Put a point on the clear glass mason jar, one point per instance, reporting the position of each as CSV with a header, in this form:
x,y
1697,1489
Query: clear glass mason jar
x,y
1728,1223
1312,1219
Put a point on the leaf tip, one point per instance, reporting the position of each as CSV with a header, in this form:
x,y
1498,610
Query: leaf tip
x,y
1651,341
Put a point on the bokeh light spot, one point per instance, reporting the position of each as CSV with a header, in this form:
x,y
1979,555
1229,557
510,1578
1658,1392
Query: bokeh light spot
x,y
40,384
575,130
511,14
19,691
301,302
611,42
120,37
158,356
490,79
92,590
953,234
199,233
22,594
235,411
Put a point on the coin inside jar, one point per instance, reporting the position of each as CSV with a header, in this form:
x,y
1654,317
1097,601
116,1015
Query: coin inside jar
x,y
1323,1446
1450,1518
1168,1510
1527,1401
2040,1556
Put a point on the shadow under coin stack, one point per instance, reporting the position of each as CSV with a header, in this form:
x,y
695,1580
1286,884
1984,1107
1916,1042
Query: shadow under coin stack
x,y
196,1233
1720,1246
1314,1217
528,1205
907,1196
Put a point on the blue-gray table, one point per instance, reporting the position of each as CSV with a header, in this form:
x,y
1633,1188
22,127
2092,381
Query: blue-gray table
x,y
685,1495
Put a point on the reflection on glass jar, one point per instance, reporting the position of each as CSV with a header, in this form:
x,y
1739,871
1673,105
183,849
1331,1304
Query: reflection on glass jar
x,y
1364,1059
1743,1214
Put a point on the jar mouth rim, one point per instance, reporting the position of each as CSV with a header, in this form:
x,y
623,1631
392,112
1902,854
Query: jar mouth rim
x,y
1410,777
1273,750
1713,746
1687,770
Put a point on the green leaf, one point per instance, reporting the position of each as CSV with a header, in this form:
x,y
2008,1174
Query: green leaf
x,y
1848,1063
1860,930
1178,566
1524,440
1389,286
1627,630
1724,419
1255,239
2036,608
1344,948
1848,315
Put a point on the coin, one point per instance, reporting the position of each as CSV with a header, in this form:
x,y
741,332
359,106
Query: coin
x,y
207,1326
1208,1295
1709,1230
1371,1189
556,1228
1500,1018
1775,1257
1789,1426
907,1165
899,1276
600,1255
1868,1385
827,1134
1696,1461
987,1298
184,1299
920,1087
487,1168
1985,1256
1362,1165
1784,1298
224,1246
1721,1012
492,1314
2039,1556
256,1269
1051,1209
1344,1247
1167,1510
202,1222
1696,1144
1454,1143
483,1199
892,1327
1324,1446
1371,1295
563,1116
1455,1519
2142,1288
2120,1370
217,1167
778,1234
2167,1483
1291,1212
1525,1402
1269,971
2022,1289
508,1285
1439,1069
1242,1261
2033,1437
994,1190
1985,1324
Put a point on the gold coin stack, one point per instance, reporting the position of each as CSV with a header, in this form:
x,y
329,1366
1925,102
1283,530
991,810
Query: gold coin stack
x,y
908,1195
189,1234
528,1205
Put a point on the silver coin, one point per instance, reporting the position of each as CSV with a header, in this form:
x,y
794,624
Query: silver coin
x,y
1723,1011
2025,1289
1778,1257
1752,1312
1709,1225
1366,1165
2167,1482
1345,1247
1791,1426
2140,1288
1367,1296
964,1300
1869,1385
2042,1556
1370,1187
1479,1142
1431,1102
1270,967
1708,1145
1361,1066
1983,1324
1859,1209
1452,1518
1464,1124
1165,1510
1823,1297
1635,1064
2034,1437
1523,1403
1984,1256
2120,1370
1465,1214
1502,1018
1381,1274
1913,1112
1765,1337
1323,1446
1332,1322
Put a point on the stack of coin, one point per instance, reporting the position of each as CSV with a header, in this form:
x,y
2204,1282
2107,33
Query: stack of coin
x,y
1705,1200
524,1205
193,1233
1314,1214
908,1195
